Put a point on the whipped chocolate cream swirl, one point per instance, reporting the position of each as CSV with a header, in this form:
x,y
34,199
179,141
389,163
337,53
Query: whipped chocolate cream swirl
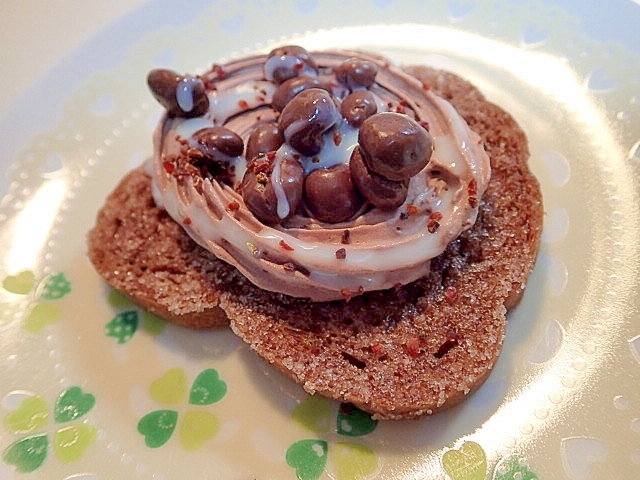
x,y
320,175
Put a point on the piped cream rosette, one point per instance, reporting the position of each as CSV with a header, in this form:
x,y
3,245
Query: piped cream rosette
x,y
301,256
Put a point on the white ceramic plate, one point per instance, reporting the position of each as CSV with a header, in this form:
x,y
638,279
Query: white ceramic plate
x,y
93,388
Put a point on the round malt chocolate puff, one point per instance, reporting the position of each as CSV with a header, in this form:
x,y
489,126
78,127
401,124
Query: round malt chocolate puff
x,y
378,190
305,118
265,138
330,194
394,145
358,106
356,73
292,87
287,62
182,96
272,201
218,144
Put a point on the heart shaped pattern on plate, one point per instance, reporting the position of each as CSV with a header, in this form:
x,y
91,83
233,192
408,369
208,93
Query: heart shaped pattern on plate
x,y
27,454
354,422
308,457
72,403
40,315
70,442
467,463
55,287
207,388
157,427
171,388
197,427
31,414
21,283
353,461
314,413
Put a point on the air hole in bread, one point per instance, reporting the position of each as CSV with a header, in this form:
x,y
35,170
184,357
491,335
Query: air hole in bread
x,y
356,362
446,347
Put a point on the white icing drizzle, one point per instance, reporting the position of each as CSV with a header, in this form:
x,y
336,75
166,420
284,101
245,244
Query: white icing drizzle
x,y
283,208
184,93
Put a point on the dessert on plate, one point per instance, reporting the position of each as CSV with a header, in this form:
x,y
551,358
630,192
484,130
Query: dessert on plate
x,y
364,228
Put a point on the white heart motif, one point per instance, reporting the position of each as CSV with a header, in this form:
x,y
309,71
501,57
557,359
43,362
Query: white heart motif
x,y
634,345
579,453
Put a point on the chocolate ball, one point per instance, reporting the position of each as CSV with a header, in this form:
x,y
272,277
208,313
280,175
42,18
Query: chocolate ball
x,y
356,73
358,106
287,62
394,145
218,143
213,151
305,118
331,195
182,96
265,138
293,86
260,195
376,189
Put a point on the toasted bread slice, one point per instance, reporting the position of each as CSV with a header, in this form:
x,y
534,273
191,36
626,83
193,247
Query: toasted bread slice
x,y
402,353
142,252
426,346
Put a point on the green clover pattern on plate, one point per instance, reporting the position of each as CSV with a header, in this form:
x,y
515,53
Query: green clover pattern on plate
x,y
309,458
27,454
42,310
469,462
197,426
351,460
124,325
